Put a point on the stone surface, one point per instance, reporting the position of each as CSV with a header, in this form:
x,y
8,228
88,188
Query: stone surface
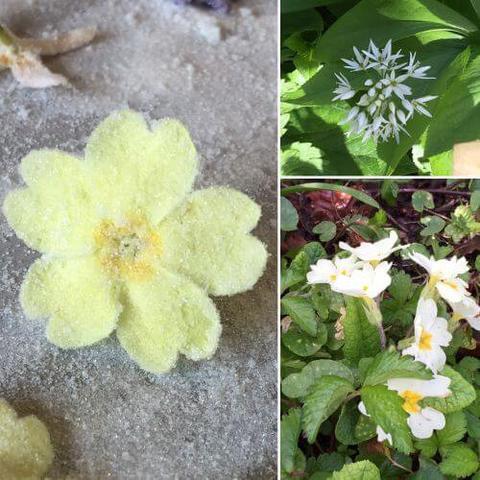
x,y
108,419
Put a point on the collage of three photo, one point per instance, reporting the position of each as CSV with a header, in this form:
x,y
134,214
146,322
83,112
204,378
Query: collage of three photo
x,y
240,239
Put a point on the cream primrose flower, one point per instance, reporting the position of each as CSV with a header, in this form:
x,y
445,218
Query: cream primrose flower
x,y
374,252
26,451
129,247
367,282
431,334
328,271
381,434
467,310
422,421
444,277
386,102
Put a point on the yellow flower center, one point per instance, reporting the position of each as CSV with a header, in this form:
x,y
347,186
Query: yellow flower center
x,y
451,284
410,405
333,277
128,249
425,342
343,272
365,288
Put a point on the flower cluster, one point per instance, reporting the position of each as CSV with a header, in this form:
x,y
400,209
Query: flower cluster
x,y
365,274
385,101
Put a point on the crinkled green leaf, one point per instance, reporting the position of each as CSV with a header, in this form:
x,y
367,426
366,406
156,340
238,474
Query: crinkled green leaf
x,y
352,427
296,385
301,311
454,430
304,345
458,460
291,427
385,408
428,470
325,396
389,364
364,470
428,446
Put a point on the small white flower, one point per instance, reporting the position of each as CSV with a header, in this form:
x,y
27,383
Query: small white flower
x,y
422,421
444,276
431,334
372,116
468,310
331,272
374,252
381,434
367,282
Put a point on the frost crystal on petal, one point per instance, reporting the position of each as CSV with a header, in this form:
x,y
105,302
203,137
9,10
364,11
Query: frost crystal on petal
x,y
385,102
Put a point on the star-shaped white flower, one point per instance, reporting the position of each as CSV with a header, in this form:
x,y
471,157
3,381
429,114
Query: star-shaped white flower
x,y
422,421
431,334
374,252
444,276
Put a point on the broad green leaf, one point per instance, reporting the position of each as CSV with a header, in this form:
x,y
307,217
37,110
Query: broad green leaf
x,y
382,20
473,425
428,470
475,200
300,265
326,230
427,446
350,430
454,430
325,396
388,365
463,394
442,163
401,287
476,7
301,311
457,115
303,344
330,462
458,460
291,427
385,408
433,225
297,385
288,215
364,470
301,158
422,199
361,337
314,186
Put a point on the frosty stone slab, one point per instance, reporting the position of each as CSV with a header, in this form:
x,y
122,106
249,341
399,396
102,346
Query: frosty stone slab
x,y
106,417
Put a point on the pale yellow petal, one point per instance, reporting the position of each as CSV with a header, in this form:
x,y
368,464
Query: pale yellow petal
x,y
141,169
79,300
54,214
166,317
26,451
208,240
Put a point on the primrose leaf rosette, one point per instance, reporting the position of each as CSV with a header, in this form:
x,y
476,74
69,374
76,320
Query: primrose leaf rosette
x,y
128,247
26,451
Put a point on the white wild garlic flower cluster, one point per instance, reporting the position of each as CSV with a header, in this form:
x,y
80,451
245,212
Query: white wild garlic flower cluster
x,y
386,101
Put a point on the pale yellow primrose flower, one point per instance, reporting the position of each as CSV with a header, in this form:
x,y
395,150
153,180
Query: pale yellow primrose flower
x,y
374,252
431,334
381,434
444,276
128,246
26,451
331,272
422,421
468,310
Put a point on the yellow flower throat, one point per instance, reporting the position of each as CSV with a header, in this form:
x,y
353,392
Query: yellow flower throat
x,y
411,399
425,342
128,250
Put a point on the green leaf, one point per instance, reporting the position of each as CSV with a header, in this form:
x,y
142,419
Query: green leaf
x,y
433,225
303,344
288,215
361,337
384,20
364,470
463,394
389,364
475,200
297,385
330,462
458,460
314,186
401,287
301,158
325,396
327,231
290,430
427,446
454,430
353,427
385,408
428,471
457,115
422,200
298,5
301,311
300,265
